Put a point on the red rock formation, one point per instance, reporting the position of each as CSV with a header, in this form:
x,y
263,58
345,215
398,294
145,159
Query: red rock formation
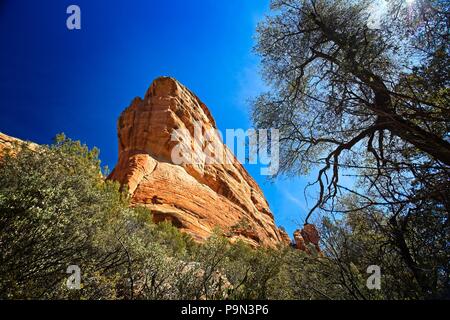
x,y
6,142
299,241
196,197
11,144
284,236
306,237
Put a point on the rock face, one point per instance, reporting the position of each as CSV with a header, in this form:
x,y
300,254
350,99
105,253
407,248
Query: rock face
x,y
306,237
6,142
11,144
196,197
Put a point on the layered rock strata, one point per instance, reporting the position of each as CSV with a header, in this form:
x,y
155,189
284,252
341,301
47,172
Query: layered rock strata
x,y
197,196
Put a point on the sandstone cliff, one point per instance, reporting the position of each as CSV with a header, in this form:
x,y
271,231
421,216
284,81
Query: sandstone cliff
x,y
196,197
11,144
306,238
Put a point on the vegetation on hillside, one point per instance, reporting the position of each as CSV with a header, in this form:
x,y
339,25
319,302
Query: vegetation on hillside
x,y
56,211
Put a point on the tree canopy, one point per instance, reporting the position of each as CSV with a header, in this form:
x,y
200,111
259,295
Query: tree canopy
x,y
367,98
348,95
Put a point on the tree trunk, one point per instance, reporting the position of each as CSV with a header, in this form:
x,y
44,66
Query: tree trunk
x,y
400,243
420,138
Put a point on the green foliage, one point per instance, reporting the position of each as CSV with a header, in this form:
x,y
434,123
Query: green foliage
x,y
49,203
57,210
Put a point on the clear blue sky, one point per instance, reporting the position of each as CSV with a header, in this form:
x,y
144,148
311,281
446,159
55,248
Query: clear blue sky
x,y
54,80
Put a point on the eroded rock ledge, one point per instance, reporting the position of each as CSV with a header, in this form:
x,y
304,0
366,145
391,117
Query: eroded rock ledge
x,y
11,144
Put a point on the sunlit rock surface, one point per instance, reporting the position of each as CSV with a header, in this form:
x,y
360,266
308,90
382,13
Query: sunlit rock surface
x,y
196,197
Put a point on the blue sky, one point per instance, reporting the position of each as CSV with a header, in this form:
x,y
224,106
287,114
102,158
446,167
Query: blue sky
x,y
54,80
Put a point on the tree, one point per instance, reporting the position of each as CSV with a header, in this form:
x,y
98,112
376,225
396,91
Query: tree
x,y
52,202
57,210
342,88
352,242
370,101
